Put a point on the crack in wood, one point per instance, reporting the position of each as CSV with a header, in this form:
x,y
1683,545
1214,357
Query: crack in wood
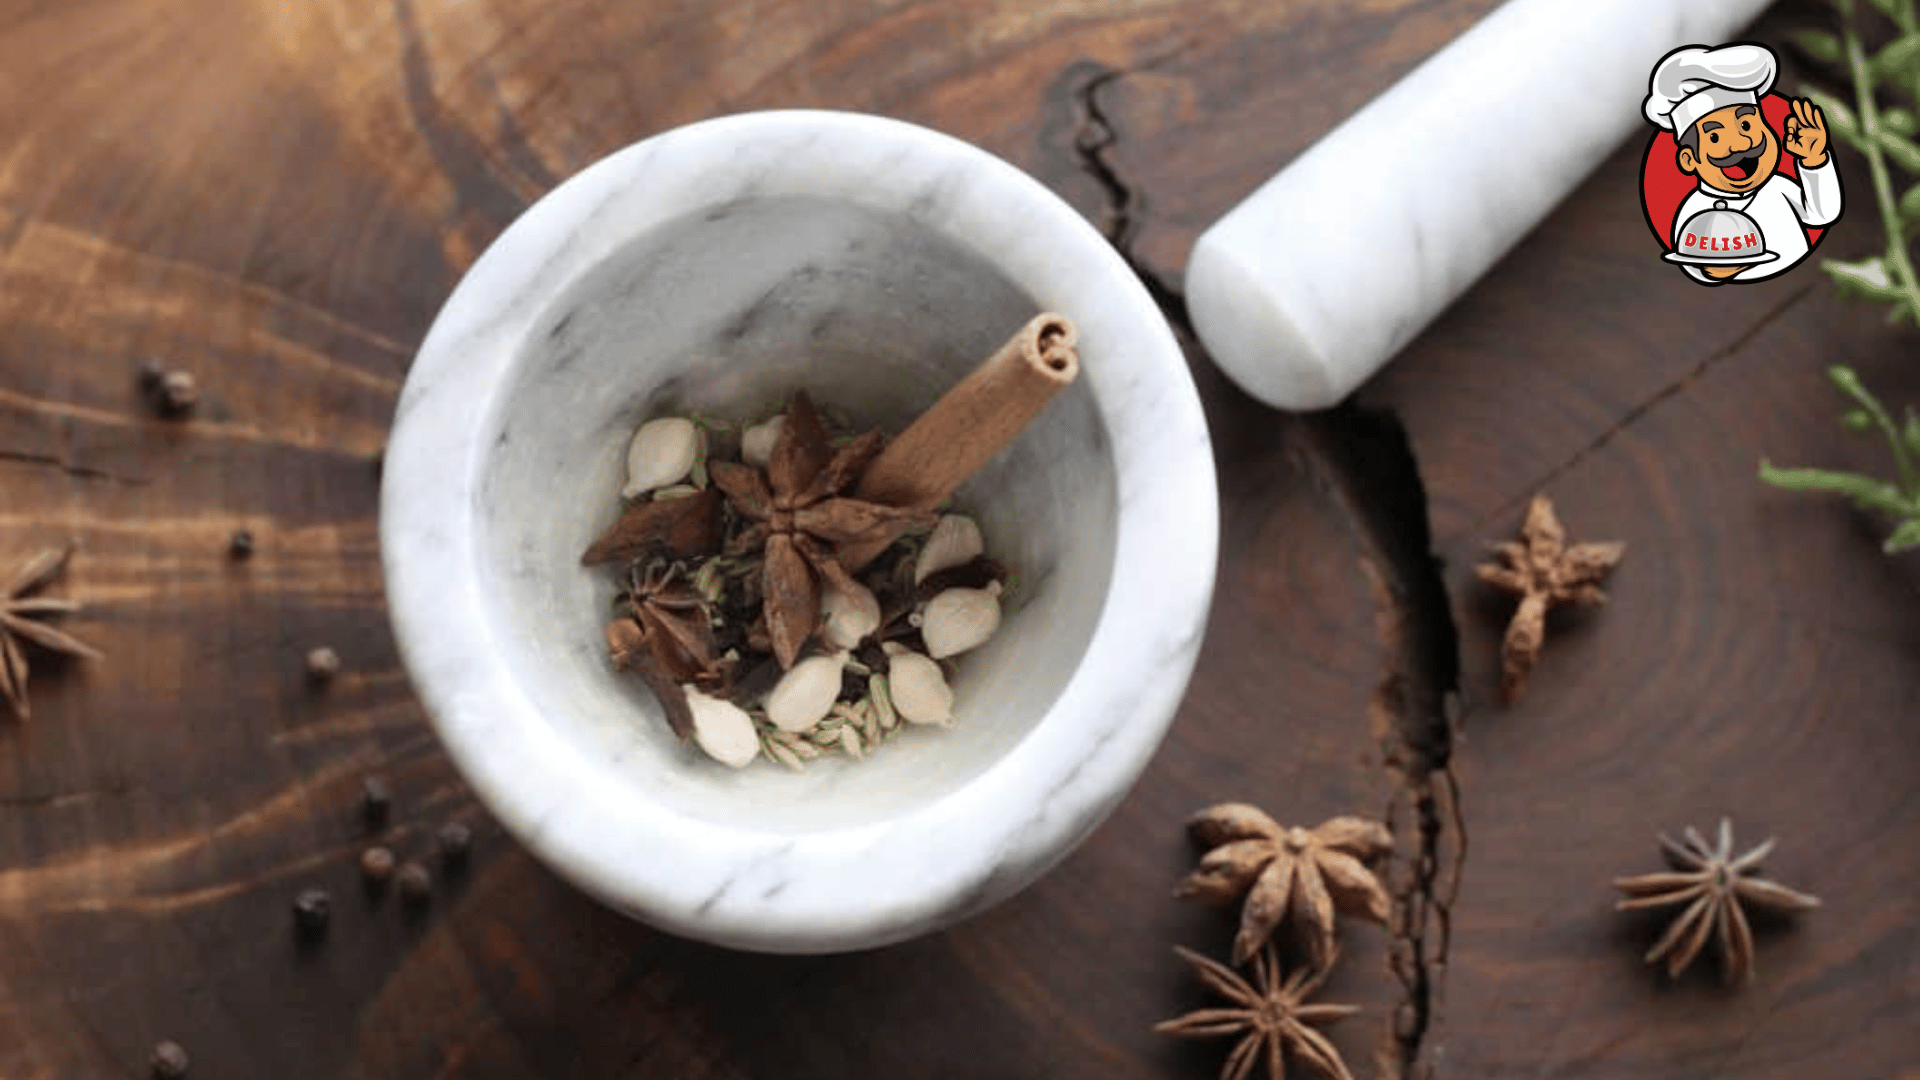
x,y
1366,456
1370,462
1126,208
79,472
1639,412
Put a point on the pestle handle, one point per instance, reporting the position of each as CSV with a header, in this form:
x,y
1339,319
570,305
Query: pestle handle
x,y
1315,281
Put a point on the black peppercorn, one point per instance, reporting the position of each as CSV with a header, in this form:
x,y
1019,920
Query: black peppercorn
x,y
416,883
151,372
240,544
376,802
178,392
456,842
169,1060
311,911
376,865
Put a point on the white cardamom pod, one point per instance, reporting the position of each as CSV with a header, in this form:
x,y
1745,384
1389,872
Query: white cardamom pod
x,y
660,454
723,729
882,701
918,690
805,694
959,619
954,541
851,612
756,443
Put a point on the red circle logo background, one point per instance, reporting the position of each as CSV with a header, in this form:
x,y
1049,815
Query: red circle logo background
x,y
1663,187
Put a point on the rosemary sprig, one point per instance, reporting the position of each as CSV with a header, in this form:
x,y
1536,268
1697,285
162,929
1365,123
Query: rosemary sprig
x,y
1880,134
1901,501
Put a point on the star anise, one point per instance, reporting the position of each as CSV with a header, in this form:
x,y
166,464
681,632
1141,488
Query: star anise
x,y
687,526
1271,1015
1545,572
800,516
1305,873
1713,884
19,614
667,640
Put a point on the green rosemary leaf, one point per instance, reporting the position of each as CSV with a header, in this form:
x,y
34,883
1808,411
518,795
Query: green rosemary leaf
x,y
1865,280
1869,272
1904,538
1898,59
1840,120
1819,44
1849,384
1900,150
1863,490
1889,278
1850,135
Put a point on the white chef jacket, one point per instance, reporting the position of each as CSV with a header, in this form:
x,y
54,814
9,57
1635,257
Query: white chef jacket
x,y
1778,207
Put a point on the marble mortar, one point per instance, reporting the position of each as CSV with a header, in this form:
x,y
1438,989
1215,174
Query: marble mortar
x,y
715,268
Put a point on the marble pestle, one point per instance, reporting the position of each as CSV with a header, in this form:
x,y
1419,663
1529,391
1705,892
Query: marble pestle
x,y
1319,277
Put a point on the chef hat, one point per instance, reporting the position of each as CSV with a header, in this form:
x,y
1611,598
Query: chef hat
x,y
1689,83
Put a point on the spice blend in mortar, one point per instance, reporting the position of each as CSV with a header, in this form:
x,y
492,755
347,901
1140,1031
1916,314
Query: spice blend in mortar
x,y
790,588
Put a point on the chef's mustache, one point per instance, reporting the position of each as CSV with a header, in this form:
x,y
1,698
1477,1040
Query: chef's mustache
x,y
1739,157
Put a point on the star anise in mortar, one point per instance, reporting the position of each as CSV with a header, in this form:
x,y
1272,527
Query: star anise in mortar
x,y
1305,873
1545,572
800,515
667,640
1271,1015
1712,884
687,526
19,615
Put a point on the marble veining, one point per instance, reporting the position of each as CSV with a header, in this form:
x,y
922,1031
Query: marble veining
x,y
716,267
1318,278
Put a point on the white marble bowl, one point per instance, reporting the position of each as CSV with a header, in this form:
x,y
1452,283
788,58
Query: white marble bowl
x,y
717,267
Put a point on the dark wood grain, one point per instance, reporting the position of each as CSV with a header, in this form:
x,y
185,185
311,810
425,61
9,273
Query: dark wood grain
x,y
278,196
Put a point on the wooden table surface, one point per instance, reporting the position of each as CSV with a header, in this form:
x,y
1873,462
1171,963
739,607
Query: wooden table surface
x,y
277,196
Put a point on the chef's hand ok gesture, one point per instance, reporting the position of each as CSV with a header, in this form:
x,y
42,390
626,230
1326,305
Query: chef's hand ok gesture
x,y
1807,133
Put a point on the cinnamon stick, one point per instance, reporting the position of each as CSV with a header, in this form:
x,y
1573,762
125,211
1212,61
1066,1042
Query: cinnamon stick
x,y
972,421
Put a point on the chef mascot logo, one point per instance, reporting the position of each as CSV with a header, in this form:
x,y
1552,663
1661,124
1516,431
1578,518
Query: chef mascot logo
x,y
1737,183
